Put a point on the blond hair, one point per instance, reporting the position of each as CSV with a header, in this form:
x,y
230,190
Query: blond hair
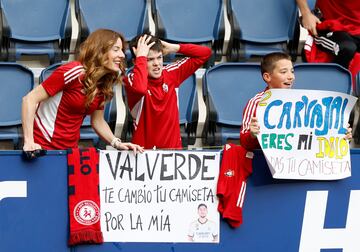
x,y
93,56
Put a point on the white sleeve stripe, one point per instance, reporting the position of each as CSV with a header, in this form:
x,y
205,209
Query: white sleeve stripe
x,y
46,115
130,78
73,70
43,131
136,111
73,76
240,200
243,196
176,65
250,111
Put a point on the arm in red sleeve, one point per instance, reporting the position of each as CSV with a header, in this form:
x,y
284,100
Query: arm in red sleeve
x,y
136,82
196,56
248,142
246,139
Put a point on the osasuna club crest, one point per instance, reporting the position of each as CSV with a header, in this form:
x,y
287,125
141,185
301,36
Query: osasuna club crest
x,y
229,173
87,212
165,87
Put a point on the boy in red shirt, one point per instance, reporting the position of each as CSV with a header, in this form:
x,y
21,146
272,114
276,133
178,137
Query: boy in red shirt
x,y
278,72
151,89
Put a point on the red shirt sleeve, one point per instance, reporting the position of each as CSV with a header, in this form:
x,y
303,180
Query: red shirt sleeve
x,y
195,57
61,78
246,140
136,82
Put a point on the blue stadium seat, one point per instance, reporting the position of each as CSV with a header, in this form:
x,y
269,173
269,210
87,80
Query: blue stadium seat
x,y
259,27
86,131
36,27
323,76
129,17
189,21
227,87
311,4
188,112
15,82
357,84
356,134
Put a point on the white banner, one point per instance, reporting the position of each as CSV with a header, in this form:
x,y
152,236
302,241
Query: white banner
x,y
302,133
159,196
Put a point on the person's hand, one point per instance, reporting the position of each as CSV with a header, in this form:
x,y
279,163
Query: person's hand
x,y
348,134
31,146
254,127
169,48
143,46
309,22
32,150
129,146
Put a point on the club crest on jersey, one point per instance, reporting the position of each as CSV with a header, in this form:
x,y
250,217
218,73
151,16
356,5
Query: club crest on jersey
x,y
229,173
165,88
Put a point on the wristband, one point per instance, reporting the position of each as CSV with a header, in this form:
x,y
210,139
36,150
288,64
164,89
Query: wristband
x,y
114,141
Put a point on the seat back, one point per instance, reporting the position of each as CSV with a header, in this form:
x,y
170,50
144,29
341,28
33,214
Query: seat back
x,y
187,99
262,26
128,17
357,84
36,20
189,21
188,110
227,87
323,76
15,82
36,27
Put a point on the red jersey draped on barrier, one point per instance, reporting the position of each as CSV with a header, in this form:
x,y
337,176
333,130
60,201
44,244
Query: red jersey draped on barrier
x,y
236,166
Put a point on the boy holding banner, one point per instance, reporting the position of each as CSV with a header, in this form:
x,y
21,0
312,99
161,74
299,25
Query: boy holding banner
x,y
278,72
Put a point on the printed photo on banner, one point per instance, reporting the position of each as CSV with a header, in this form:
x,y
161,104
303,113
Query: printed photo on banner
x,y
159,196
302,133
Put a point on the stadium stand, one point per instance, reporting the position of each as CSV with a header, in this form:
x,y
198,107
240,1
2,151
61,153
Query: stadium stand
x,y
199,23
44,28
323,76
129,17
16,81
226,89
189,21
87,133
259,27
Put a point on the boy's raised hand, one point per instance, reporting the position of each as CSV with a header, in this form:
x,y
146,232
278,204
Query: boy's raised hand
x,y
169,48
143,46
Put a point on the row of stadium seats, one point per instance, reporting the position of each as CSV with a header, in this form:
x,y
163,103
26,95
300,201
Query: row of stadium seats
x,y
45,27
226,89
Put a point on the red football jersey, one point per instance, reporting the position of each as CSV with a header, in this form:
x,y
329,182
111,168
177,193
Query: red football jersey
x,y
347,12
236,166
153,102
59,118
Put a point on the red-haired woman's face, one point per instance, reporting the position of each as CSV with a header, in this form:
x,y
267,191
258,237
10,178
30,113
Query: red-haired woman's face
x,y
116,56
